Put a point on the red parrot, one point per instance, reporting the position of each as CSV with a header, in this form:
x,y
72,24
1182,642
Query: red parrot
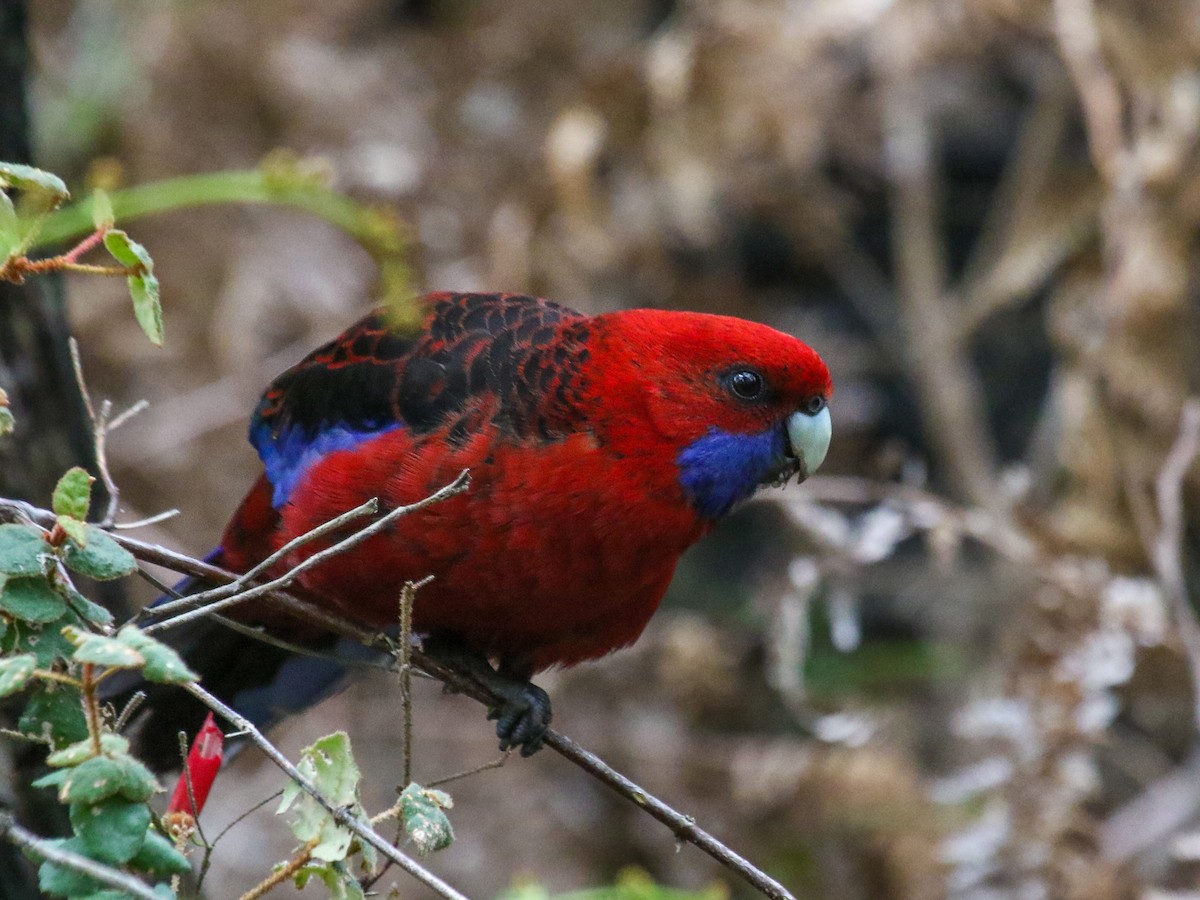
x,y
600,448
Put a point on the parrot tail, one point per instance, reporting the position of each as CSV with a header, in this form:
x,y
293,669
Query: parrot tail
x,y
263,681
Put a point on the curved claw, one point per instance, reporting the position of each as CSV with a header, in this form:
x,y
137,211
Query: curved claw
x,y
523,714
522,719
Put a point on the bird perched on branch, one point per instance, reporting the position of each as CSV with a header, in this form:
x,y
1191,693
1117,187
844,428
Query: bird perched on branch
x,y
599,449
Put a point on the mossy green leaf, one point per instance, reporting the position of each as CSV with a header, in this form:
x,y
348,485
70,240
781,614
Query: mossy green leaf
x,y
73,493
111,744
54,713
103,558
111,831
32,600
15,672
158,857
60,881
162,663
425,820
22,549
101,650
89,611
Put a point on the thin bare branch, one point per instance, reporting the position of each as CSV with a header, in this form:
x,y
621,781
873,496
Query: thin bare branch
x,y
149,520
36,846
1166,554
339,813
218,593
947,383
1079,40
460,484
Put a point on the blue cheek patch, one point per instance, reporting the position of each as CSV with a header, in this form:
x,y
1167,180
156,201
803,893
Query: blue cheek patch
x,y
722,468
289,455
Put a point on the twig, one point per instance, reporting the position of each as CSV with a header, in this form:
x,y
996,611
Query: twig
x,y
206,597
284,872
407,594
1166,553
497,763
940,366
1079,39
460,484
27,840
102,423
340,814
149,520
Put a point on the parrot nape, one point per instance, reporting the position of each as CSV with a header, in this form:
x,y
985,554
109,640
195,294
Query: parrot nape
x,y
600,448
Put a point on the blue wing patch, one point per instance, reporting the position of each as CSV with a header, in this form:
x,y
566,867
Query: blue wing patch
x,y
289,454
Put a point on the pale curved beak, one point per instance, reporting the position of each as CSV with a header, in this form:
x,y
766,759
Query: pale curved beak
x,y
809,436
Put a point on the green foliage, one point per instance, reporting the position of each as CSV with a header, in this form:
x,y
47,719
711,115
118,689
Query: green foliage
x,y
162,663
54,714
329,764
73,494
31,599
27,178
103,558
425,822
23,550
102,651
632,884
143,285
15,672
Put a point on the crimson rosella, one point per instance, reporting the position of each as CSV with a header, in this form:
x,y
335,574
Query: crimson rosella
x,y
599,447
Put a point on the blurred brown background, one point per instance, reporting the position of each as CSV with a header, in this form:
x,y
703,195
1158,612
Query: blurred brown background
x,y
961,678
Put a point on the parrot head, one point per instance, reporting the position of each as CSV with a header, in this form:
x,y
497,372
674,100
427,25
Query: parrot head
x,y
726,405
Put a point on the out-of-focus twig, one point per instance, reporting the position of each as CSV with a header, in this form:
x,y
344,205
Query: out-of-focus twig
x,y
950,397
1079,41
1166,552
38,847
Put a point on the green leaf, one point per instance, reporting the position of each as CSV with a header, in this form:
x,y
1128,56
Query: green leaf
x,y
337,878
47,641
159,857
10,230
329,764
32,600
425,823
102,651
55,713
89,611
76,529
15,672
143,285
103,558
112,831
79,752
162,663
27,178
73,493
63,882
102,210
91,781
147,306
7,422
22,549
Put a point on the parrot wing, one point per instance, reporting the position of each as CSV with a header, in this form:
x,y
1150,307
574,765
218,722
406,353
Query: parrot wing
x,y
477,359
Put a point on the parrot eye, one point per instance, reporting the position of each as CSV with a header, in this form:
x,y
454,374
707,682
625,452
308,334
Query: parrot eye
x,y
814,405
746,384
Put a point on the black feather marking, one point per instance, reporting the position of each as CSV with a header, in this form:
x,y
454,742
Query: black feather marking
x,y
507,359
